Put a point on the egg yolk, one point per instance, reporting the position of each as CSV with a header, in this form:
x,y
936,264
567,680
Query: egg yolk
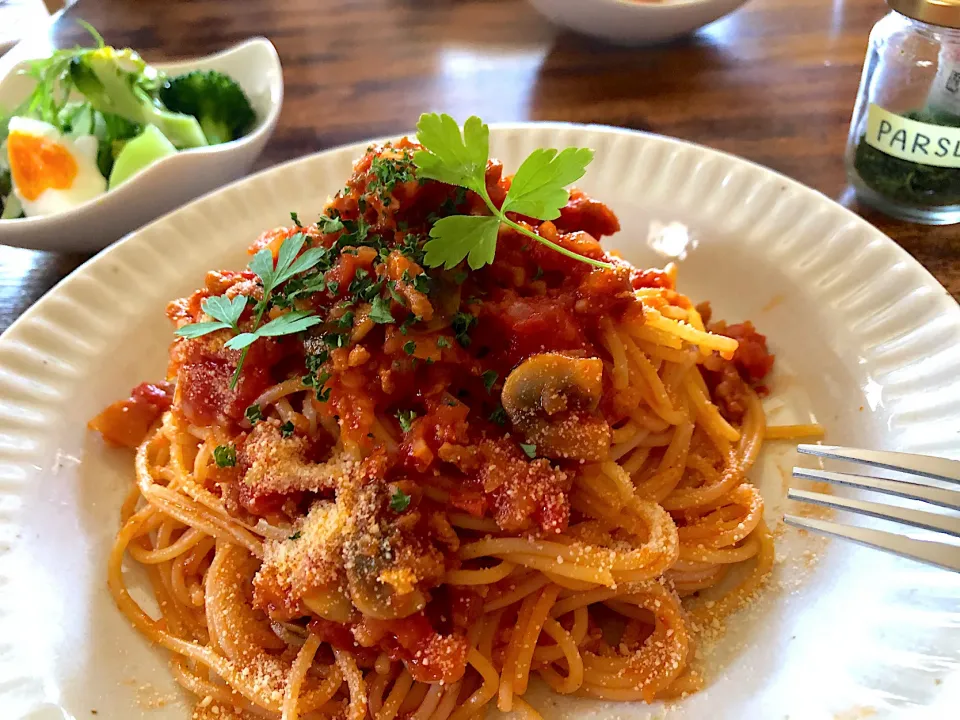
x,y
38,164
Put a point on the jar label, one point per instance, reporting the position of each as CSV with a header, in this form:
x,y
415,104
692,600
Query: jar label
x,y
919,142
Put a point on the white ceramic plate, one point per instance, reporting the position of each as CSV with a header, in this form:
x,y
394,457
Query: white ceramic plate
x,y
169,182
866,340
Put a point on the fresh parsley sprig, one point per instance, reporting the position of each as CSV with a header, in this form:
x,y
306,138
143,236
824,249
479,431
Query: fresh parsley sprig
x,y
538,190
226,311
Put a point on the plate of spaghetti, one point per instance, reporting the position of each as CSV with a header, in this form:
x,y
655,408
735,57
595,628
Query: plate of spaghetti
x,y
455,442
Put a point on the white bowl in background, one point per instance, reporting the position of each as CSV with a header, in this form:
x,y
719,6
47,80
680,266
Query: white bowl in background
x,y
635,22
170,182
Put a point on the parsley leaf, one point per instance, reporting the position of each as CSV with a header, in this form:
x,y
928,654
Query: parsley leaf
x,y
224,310
288,324
337,340
296,535
328,225
253,414
462,236
309,258
225,455
409,347
406,418
262,266
286,430
489,378
450,157
380,311
442,342
292,322
460,159
296,219
346,320
194,330
530,450
399,501
538,188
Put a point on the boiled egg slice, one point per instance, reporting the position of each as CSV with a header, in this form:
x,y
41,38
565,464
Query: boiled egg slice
x,y
51,173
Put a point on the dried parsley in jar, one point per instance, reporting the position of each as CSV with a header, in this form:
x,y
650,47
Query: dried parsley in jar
x,y
903,152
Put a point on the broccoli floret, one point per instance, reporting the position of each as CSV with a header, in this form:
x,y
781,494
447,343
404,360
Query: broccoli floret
x,y
215,99
119,82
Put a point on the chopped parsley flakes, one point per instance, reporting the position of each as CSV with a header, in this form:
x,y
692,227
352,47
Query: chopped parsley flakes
x,y
225,455
399,501
380,310
253,414
499,416
406,418
462,324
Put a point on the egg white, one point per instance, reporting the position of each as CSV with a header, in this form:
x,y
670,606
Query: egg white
x,y
87,184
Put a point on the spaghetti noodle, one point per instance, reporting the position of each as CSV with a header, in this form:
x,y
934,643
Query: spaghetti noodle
x,y
452,482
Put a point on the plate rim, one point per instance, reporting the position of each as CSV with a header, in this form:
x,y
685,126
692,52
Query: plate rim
x,y
86,287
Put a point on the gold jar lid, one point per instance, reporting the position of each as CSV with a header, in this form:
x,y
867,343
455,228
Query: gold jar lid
x,y
945,13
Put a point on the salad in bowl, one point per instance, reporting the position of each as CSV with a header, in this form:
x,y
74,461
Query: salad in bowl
x,y
99,117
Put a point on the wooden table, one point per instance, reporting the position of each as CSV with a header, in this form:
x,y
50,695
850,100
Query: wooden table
x,y
774,82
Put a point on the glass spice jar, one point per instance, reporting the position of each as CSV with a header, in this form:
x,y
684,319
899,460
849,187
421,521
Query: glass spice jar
x,y
903,152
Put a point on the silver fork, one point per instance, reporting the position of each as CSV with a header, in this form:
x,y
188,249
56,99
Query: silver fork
x,y
941,554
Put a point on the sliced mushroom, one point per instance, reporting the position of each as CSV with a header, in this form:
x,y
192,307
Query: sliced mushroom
x,y
552,399
384,559
375,598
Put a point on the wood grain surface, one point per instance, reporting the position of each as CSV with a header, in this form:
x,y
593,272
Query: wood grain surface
x,y
774,82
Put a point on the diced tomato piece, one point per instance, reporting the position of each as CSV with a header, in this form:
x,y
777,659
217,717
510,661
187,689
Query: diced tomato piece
x,y
472,501
337,634
587,214
126,423
160,394
429,656
652,278
752,358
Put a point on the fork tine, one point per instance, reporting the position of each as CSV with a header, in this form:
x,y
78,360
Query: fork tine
x,y
941,555
917,518
923,465
910,490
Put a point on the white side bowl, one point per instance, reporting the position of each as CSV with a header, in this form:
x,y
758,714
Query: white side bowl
x,y
632,22
172,181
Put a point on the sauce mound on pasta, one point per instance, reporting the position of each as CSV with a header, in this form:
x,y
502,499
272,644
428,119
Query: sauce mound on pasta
x,y
452,481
